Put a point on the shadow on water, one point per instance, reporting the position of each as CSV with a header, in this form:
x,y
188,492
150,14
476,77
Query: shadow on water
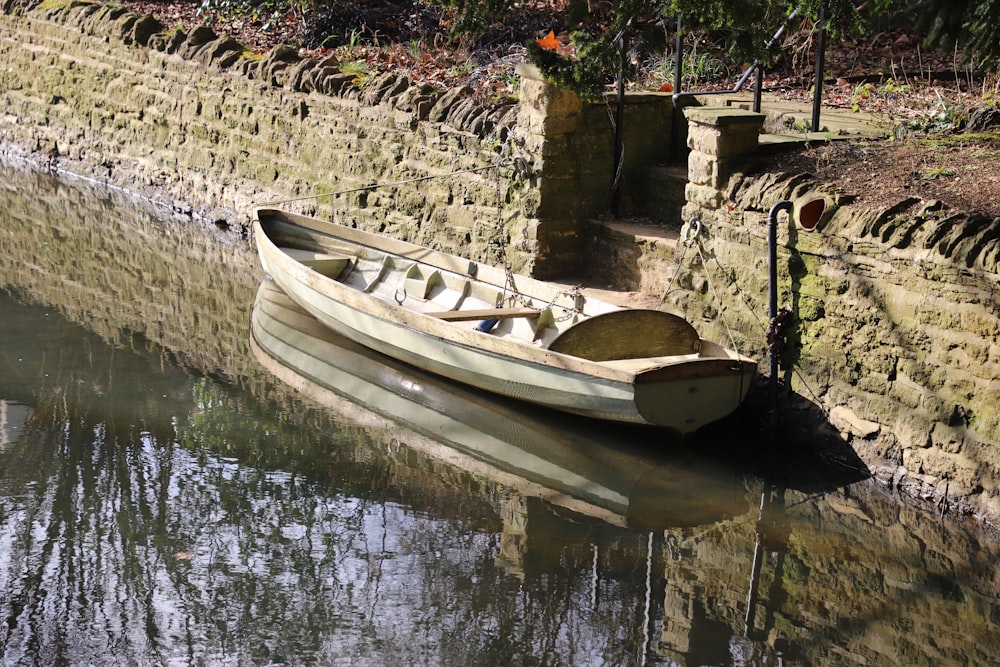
x,y
811,465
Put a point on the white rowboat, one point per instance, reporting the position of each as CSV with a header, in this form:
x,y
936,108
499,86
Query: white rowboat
x,y
507,334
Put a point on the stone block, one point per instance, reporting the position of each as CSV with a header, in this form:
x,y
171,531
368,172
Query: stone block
x,y
703,169
703,196
724,132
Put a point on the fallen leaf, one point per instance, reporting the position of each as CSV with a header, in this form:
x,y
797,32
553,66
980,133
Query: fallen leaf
x,y
549,42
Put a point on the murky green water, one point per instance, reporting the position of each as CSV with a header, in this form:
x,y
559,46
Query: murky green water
x,y
176,490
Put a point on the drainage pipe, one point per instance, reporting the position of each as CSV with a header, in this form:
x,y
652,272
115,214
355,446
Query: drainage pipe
x,y
807,214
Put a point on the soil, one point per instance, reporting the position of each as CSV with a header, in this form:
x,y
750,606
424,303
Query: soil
x,y
946,124
961,172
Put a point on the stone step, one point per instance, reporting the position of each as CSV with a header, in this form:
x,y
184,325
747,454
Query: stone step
x,y
663,194
631,256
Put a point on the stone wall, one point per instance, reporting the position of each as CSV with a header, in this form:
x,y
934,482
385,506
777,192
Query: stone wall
x,y
194,117
895,333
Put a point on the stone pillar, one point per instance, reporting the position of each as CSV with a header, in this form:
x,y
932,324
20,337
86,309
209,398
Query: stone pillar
x,y
548,120
546,111
718,138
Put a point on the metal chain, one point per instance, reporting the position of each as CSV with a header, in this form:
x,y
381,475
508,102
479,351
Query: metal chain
x,y
766,329
497,238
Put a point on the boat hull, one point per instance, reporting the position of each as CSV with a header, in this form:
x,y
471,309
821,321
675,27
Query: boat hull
x,y
682,396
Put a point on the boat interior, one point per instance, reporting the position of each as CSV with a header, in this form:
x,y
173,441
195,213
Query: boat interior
x,y
555,321
448,296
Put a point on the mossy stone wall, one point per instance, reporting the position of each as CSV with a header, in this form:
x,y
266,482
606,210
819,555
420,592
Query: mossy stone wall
x,y
895,329
194,117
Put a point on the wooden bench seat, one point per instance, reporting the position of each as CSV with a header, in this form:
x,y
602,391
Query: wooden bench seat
x,y
485,314
320,262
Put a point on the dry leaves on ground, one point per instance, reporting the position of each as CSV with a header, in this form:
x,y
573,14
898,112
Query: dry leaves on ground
x,y
887,73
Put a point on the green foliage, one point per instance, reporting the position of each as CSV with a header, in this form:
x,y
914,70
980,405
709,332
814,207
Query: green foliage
x,y
944,118
361,71
635,28
255,10
745,26
970,26
588,74
749,25
474,16
936,173
866,92
696,66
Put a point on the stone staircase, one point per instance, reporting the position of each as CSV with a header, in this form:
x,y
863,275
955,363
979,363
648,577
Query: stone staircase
x,y
636,254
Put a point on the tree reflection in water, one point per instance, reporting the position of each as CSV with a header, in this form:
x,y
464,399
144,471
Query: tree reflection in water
x,y
150,516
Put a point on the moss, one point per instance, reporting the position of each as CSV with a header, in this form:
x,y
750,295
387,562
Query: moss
x,y
966,139
55,5
811,310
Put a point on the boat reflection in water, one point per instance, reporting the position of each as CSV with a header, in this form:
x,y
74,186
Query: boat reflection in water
x,y
569,462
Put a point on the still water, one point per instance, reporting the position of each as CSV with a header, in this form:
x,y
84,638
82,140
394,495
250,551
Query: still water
x,y
193,473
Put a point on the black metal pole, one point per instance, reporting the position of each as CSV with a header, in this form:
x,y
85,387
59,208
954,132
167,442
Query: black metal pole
x,y
675,114
758,89
678,57
758,555
619,119
820,66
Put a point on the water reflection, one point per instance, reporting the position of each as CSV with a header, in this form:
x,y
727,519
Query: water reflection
x,y
173,520
12,419
586,467
165,500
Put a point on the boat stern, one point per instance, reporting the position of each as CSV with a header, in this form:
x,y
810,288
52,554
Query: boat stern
x,y
686,396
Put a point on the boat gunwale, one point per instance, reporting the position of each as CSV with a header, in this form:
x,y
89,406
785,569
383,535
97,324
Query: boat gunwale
x,y
476,271
442,328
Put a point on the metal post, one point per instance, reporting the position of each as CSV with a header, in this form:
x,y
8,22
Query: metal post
x,y
809,215
758,554
619,118
678,58
758,89
675,114
820,66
